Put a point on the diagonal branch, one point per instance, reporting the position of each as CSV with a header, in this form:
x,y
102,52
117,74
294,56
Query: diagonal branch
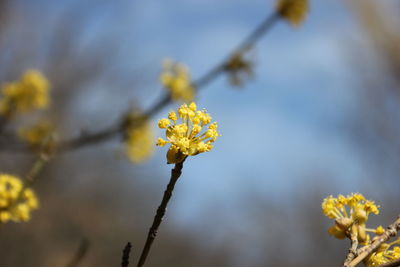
x,y
390,232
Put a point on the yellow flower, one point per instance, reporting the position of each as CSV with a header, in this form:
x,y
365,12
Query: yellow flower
x,y
139,143
37,134
30,92
239,68
176,78
15,205
350,214
384,254
294,11
186,138
379,230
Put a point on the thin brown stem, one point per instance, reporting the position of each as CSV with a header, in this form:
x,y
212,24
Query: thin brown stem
x,y
3,123
126,254
247,42
365,252
6,117
36,168
175,174
353,248
90,139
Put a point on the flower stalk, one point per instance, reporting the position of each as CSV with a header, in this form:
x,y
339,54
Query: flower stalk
x,y
175,174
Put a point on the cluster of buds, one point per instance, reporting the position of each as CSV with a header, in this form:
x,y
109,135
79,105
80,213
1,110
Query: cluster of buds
x,y
41,136
16,202
239,68
176,78
30,92
384,254
194,135
350,214
293,11
139,137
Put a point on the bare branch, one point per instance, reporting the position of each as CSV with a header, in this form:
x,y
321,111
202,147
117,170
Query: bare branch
x,y
175,174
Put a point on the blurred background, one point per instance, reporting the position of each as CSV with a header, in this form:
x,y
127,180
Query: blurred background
x,y
321,116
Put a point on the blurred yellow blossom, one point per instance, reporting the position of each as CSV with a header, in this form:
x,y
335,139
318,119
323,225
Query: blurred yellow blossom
x,y
37,134
384,254
30,92
350,214
294,11
186,138
139,138
176,78
15,205
239,68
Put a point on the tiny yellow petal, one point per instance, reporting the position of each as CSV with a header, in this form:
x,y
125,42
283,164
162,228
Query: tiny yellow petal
x,y
164,123
172,116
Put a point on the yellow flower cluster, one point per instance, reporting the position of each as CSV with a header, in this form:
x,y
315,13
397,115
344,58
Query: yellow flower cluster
x,y
384,254
30,92
139,142
350,214
239,68
294,11
176,78
37,134
15,205
186,138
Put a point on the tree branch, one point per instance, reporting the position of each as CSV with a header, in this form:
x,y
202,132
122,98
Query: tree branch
x,y
125,255
175,174
353,248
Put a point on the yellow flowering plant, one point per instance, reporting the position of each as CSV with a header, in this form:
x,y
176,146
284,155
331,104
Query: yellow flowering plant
x,y
384,254
293,11
16,201
176,78
187,139
194,134
239,67
28,93
139,138
38,134
351,214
